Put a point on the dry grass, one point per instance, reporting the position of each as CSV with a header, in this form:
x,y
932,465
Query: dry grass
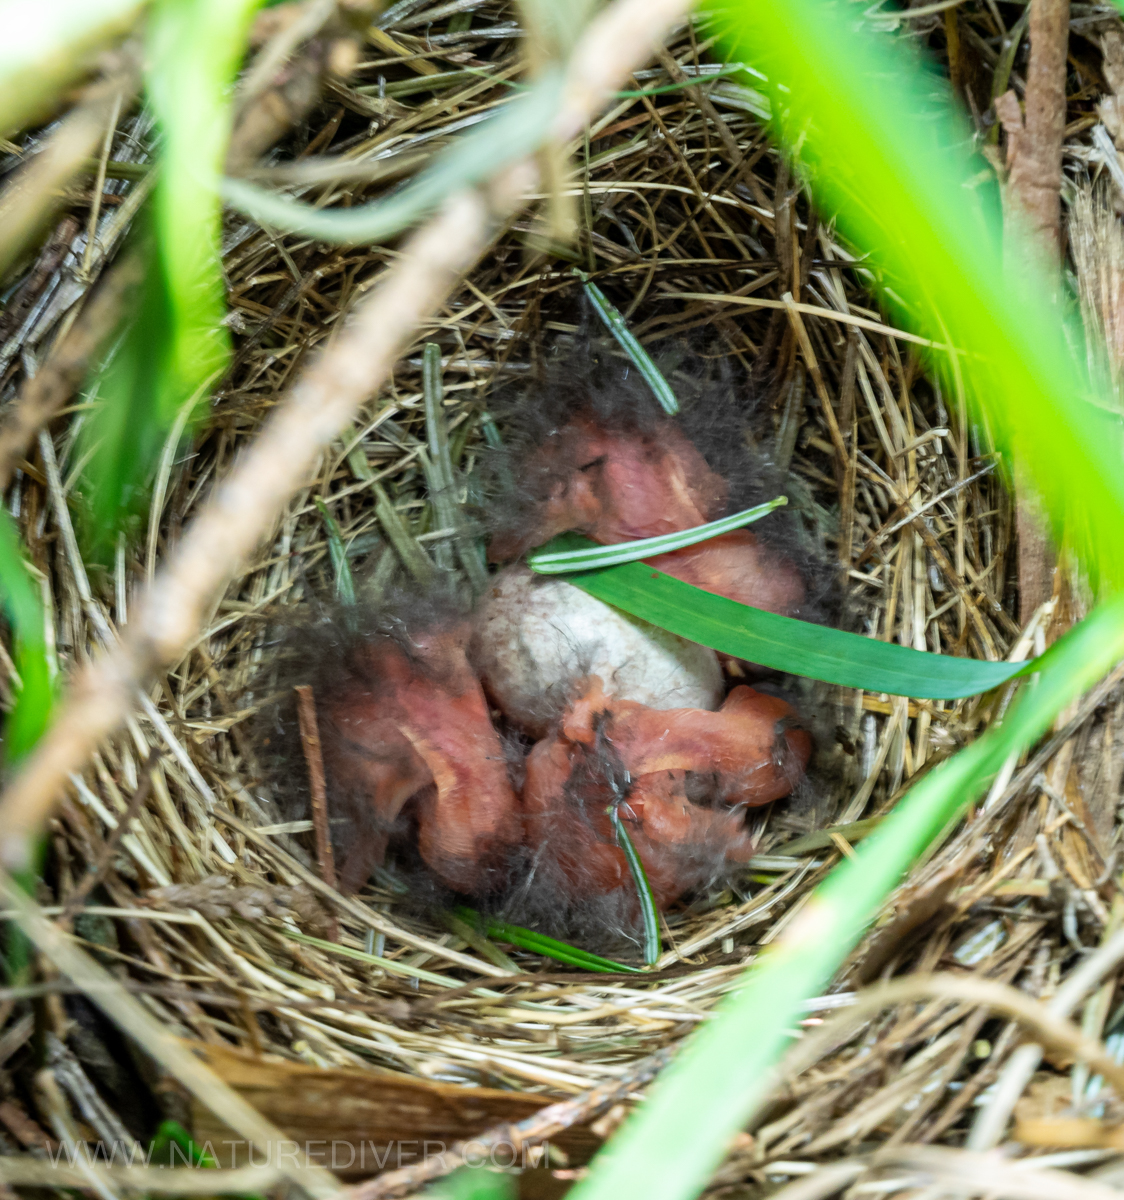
x,y
682,236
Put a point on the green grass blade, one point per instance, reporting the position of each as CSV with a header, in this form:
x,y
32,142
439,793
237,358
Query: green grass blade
x,y
540,943
615,323
786,644
409,550
372,960
436,433
648,912
667,1150
429,82
558,562
176,347
345,584
442,478
194,49
699,81
124,435
35,693
518,129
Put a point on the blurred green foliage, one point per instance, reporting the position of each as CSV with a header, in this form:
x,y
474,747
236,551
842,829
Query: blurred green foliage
x,y
891,159
34,693
176,346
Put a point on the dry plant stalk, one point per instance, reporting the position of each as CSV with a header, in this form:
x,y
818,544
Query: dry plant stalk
x,y
983,1174
962,1172
20,1171
1034,157
97,869
1044,1021
1096,240
318,792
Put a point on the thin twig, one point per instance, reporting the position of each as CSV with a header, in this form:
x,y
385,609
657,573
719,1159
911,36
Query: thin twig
x,y
53,1104
318,793
991,1174
364,914
18,1171
38,189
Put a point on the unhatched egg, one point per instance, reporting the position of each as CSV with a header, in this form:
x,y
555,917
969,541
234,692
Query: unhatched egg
x,y
536,638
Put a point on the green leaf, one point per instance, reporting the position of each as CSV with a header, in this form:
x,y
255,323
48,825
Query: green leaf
x,y
517,130
786,644
559,562
194,49
540,943
122,440
669,1147
608,313
643,888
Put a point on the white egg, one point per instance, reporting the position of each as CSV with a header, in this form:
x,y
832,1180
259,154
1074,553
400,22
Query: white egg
x,y
536,637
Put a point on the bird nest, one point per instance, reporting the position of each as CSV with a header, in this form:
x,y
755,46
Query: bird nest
x,y
171,857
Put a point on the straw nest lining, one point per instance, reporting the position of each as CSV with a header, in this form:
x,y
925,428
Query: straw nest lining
x,y
683,236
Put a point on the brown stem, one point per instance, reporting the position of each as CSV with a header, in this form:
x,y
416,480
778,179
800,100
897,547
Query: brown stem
x,y
1034,187
310,742
1036,172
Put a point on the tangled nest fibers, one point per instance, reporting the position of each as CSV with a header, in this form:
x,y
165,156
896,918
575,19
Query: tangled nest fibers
x,y
219,921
